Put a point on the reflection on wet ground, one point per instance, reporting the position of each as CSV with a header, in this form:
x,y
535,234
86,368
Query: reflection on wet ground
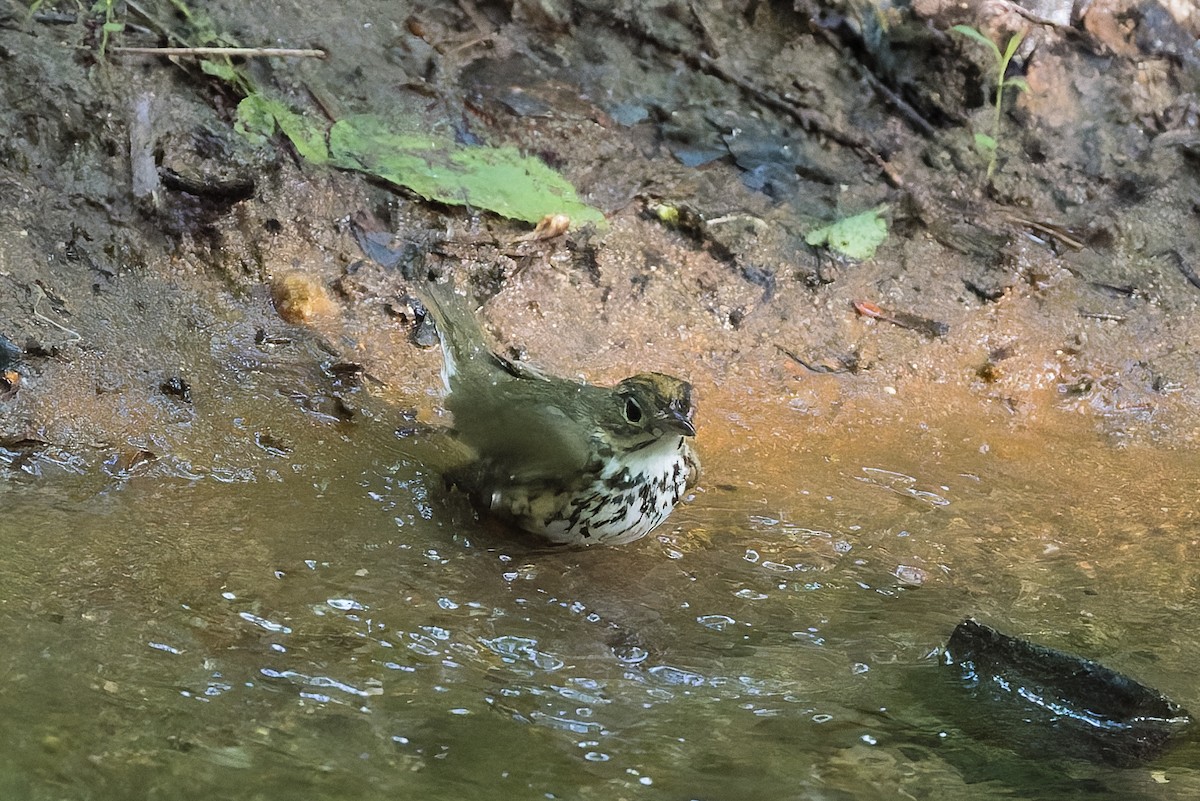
x,y
358,634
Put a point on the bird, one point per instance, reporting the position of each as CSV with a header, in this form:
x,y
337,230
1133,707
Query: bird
x,y
572,462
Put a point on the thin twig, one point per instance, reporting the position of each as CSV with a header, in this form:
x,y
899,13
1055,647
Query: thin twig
x,y
1103,316
38,294
901,105
809,119
813,367
1188,271
244,52
1050,230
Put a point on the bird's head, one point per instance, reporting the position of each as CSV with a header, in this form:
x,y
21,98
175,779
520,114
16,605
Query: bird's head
x,y
653,405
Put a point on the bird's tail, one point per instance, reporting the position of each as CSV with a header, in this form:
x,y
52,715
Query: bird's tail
x,y
464,346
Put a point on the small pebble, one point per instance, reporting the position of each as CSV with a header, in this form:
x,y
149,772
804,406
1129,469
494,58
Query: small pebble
x,y
299,298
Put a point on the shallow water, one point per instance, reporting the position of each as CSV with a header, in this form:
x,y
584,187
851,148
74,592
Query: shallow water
x,y
344,630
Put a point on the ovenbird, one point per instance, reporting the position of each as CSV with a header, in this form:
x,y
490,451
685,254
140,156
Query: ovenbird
x,y
573,462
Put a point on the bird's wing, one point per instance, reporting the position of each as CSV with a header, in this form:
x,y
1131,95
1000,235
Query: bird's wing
x,y
525,441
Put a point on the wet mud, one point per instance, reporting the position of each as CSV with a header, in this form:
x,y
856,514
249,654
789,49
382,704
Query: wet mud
x,y
180,301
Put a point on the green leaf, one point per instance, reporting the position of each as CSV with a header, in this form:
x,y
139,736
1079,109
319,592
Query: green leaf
x,y
222,70
114,27
254,118
498,179
985,143
1014,42
306,134
258,117
1017,82
971,33
856,237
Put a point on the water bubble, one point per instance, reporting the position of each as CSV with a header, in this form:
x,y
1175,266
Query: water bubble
x,y
630,654
264,623
715,622
567,724
425,646
510,645
900,484
910,574
677,676
548,662
810,635
513,648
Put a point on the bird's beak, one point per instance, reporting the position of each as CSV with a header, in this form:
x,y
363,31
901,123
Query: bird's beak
x,y
678,419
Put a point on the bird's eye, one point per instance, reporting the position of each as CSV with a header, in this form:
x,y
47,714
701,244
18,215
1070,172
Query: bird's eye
x,y
633,412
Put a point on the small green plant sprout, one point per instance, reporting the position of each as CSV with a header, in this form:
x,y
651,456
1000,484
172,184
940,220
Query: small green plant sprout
x,y
111,23
988,143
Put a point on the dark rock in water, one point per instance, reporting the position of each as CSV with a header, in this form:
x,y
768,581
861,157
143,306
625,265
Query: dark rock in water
x,y
10,354
1053,703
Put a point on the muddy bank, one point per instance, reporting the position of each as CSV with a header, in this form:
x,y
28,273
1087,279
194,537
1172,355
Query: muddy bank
x,y
140,235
